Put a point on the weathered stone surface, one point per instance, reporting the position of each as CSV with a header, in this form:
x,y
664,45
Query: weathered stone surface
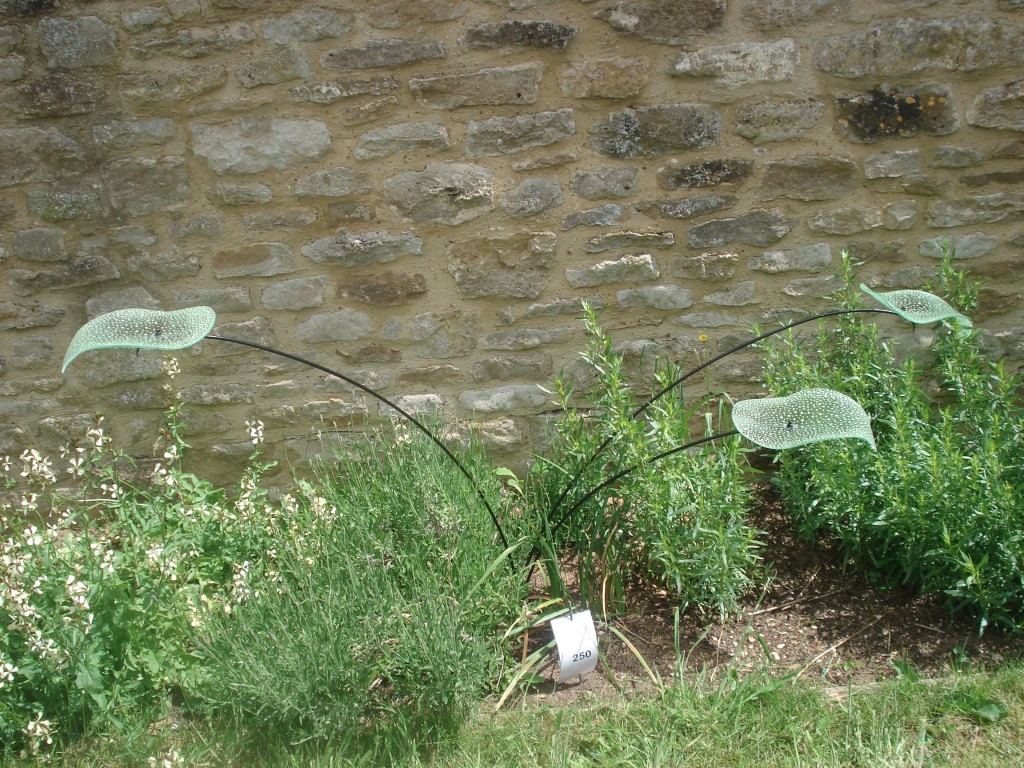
x,y
15,316
815,287
1001,107
31,352
956,157
119,240
498,136
616,240
978,209
367,111
333,182
738,64
217,394
533,197
809,258
73,43
197,42
496,85
344,212
545,161
446,193
12,68
425,137
1015,176
443,335
612,77
386,288
26,7
899,215
256,330
293,295
739,295
759,227
208,225
87,270
896,111
39,244
605,216
513,266
239,194
672,22
251,145
869,251
57,94
686,208
306,26
120,298
391,52
259,222
661,297
706,319
37,154
628,269
64,206
125,134
163,265
891,165
708,173
350,250
508,398
845,221
656,130
528,365
810,177
221,300
785,14
893,47
256,260
518,34
777,120
172,86
604,183
1012,149
331,91
398,13
279,66
971,246
138,186
341,325
714,267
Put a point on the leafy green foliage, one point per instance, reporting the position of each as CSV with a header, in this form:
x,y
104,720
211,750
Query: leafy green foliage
x,y
380,625
679,522
941,504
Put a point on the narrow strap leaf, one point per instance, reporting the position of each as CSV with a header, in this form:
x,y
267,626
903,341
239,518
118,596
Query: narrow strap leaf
x,y
143,329
805,417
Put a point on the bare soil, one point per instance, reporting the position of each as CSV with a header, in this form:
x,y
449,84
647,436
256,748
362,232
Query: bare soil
x,y
816,618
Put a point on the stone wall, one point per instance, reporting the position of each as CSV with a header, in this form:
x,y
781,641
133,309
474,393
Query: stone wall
x,y
420,192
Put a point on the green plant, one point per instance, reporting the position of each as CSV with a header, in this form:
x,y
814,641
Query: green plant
x,y
940,506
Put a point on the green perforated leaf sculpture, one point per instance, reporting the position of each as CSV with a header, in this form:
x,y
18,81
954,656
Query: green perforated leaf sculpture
x,y
918,307
805,417
143,329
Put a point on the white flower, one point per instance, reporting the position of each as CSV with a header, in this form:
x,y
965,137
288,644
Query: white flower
x,y
171,367
255,431
75,468
7,673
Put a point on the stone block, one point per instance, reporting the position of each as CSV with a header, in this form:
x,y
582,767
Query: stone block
x,y
970,246
446,193
707,319
87,270
739,295
672,22
776,15
509,398
237,194
330,91
421,137
976,209
340,325
163,265
85,41
498,136
659,297
127,134
528,365
386,288
37,154
604,183
293,295
813,287
221,300
138,186
308,25
39,244
496,85
760,227
279,66
708,173
12,68
57,94
637,268
518,34
892,165
391,52
687,208
713,267
196,42
399,13
17,317
845,221
270,222
655,130
533,197
513,266
618,240
443,335
808,258
120,298
777,119
333,182
612,77
162,86
894,111
738,64
956,157
1000,107
255,260
206,225
899,215
359,249
253,145
809,177
604,216
525,338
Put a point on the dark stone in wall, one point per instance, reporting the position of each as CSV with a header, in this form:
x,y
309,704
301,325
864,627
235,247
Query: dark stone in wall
x,y
55,95
890,111
656,130
706,174
514,33
388,288
25,7
383,53
686,208
673,22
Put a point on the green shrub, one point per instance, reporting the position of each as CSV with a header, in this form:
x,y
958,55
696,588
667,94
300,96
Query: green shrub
x,y
940,506
679,522
384,617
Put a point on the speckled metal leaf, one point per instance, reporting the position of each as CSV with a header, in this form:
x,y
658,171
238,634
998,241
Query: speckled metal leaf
x,y
805,417
918,307
143,329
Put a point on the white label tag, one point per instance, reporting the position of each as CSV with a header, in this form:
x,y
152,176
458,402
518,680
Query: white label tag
x,y
577,644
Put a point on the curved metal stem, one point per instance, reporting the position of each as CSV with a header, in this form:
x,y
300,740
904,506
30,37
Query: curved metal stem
x,y
398,409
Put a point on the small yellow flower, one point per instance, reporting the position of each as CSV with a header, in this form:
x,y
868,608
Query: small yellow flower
x,y
703,338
